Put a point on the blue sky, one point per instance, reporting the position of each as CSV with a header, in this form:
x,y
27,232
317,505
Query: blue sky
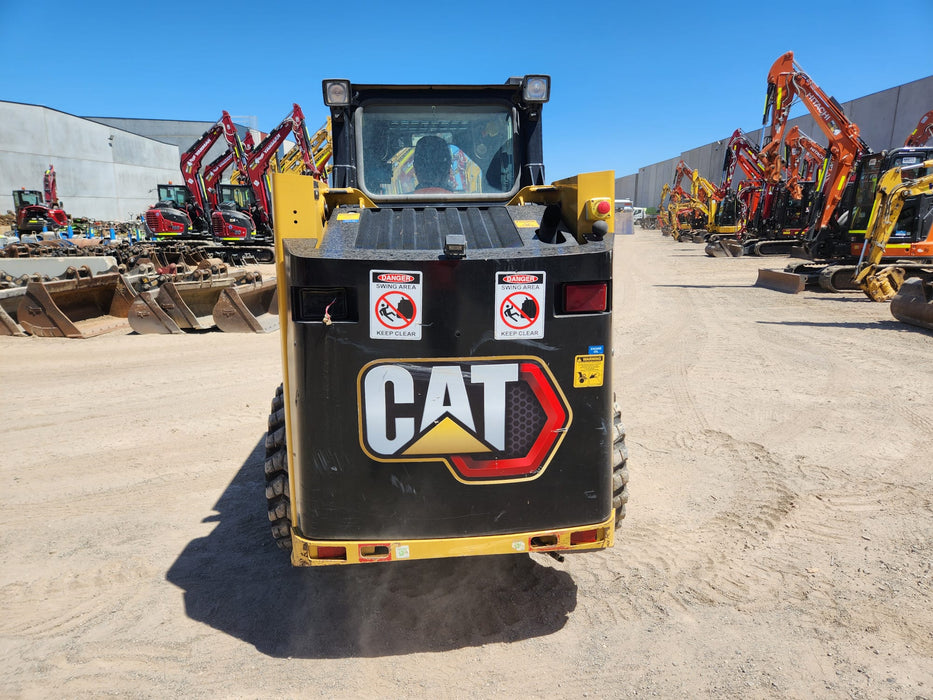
x,y
632,83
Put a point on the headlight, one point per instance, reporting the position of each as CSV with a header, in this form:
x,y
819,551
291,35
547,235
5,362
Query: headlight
x,y
536,88
336,93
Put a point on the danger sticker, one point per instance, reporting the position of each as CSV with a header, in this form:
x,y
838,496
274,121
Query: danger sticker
x,y
395,305
519,305
588,370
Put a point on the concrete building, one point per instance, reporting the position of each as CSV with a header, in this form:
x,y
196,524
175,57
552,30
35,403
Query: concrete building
x,y
884,119
102,172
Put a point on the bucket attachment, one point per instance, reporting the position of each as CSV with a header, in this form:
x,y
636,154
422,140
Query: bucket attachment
x,y
780,281
8,326
177,306
76,308
248,308
913,303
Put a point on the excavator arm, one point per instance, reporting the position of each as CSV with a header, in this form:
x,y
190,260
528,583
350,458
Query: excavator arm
x,y
880,282
804,157
191,165
785,82
258,161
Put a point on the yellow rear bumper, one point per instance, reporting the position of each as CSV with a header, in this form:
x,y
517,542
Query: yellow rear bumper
x,y
332,552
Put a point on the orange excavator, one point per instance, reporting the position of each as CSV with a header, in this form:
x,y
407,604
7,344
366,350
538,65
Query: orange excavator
x,y
787,81
838,235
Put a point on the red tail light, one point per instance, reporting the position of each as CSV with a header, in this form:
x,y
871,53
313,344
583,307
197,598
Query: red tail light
x,y
586,297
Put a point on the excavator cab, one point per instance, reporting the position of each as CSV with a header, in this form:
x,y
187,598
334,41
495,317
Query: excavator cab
x,y
233,220
33,213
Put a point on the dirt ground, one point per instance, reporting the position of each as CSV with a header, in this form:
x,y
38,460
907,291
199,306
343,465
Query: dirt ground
x,y
779,538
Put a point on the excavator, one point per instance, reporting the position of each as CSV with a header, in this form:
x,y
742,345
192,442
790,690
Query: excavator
x,y
921,135
185,210
903,203
740,152
686,212
257,202
37,211
825,237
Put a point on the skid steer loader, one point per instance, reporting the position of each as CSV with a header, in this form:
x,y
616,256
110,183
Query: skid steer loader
x,y
446,323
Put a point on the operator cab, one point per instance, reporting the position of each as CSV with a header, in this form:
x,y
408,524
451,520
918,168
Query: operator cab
x,y
870,169
177,194
439,143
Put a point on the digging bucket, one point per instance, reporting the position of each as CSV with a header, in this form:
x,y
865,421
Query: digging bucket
x,y
913,303
76,308
178,306
248,308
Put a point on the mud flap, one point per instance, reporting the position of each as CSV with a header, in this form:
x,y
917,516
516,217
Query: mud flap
x,y
76,308
913,303
780,281
248,308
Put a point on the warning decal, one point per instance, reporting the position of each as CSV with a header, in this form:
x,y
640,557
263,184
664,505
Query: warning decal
x,y
519,305
588,370
395,305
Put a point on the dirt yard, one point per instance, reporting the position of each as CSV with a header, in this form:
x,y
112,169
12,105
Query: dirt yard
x,y
779,538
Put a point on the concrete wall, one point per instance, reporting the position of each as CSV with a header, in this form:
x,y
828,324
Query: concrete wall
x,y
102,172
884,119
182,134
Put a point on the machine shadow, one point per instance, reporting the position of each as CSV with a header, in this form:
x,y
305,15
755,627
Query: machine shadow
x,y
237,581
892,325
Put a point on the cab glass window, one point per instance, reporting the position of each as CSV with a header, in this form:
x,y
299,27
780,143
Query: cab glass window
x,y
429,151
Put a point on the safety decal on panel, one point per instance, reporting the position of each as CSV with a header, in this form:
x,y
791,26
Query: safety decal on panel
x,y
588,370
395,305
519,305
488,419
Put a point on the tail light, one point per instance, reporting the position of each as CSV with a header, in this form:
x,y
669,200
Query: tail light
x,y
585,297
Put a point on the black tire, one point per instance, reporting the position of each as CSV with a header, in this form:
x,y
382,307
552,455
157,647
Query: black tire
x,y
276,468
619,467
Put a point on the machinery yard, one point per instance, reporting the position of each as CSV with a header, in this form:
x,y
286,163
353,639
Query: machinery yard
x,y
778,541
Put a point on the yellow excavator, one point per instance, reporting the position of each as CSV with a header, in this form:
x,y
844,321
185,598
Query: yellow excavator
x,y
881,282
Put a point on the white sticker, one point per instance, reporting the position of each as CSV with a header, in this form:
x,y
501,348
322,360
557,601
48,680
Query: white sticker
x,y
519,305
518,546
395,305
401,552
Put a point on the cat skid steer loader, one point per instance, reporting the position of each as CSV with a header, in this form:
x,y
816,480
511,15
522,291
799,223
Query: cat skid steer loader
x,y
446,323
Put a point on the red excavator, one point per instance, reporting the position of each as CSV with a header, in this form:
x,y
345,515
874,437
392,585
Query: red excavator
x,y
256,167
185,210
39,211
923,133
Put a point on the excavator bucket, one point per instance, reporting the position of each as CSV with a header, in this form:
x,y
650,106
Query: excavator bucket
x,y
76,308
913,303
177,306
780,281
9,302
8,326
248,308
